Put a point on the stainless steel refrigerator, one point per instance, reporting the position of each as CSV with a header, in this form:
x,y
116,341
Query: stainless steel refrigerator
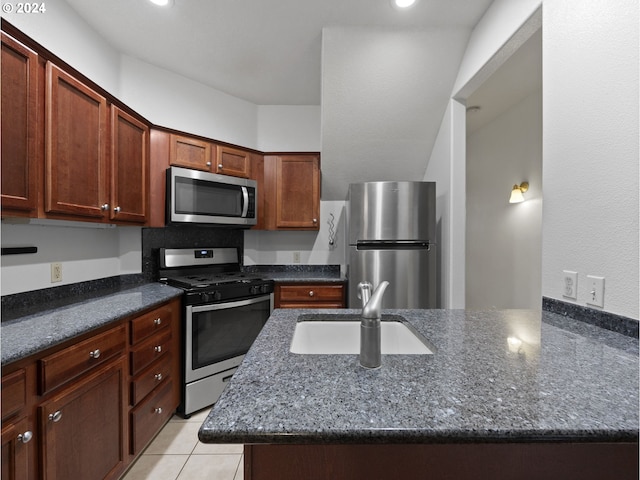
x,y
392,231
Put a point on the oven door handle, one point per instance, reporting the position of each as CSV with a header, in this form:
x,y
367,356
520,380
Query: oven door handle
x,y
227,305
245,202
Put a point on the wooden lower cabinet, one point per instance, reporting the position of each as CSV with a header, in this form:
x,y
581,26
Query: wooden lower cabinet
x,y
309,295
522,461
86,409
17,449
84,434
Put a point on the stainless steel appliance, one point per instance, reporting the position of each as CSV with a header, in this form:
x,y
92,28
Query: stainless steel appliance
x,y
202,197
224,311
392,232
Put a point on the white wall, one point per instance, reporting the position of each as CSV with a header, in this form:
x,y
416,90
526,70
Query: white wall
x,y
289,128
446,168
86,253
277,248
382,101
503,240
590,105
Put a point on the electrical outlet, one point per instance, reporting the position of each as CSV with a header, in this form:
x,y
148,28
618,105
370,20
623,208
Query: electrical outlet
x,y
570,284
296,257
596,291
56,272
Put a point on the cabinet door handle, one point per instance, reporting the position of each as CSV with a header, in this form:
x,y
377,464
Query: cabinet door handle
x,y
315,220
220,166
157,321
157,348
95,353
158,410
117,209
104,207
25,437
158,377
208,164
311,293
56,416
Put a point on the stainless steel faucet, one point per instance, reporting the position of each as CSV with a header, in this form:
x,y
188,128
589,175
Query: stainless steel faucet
x,y
370,338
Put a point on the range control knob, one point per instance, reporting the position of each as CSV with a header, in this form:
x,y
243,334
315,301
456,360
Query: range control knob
x,y
265,288
254,289
217,295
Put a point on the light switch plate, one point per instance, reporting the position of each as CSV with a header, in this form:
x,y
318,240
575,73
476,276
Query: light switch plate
x,y
595,291
570,284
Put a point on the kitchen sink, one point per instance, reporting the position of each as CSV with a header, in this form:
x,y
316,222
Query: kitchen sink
x,y
340,334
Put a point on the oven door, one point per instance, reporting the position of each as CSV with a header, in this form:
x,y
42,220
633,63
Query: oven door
x,y
218,335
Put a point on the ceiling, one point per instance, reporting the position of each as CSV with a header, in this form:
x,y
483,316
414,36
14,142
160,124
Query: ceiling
x,y
266,52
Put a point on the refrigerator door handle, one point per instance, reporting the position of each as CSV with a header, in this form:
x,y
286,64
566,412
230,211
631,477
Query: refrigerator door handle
x,y
393,245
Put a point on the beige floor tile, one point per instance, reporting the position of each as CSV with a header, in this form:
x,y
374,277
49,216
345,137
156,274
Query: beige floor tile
x,y
240,471
210,467
216,449
157,467
196,417
176,438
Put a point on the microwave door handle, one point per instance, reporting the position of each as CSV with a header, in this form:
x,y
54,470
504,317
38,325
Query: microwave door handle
x,y
245,202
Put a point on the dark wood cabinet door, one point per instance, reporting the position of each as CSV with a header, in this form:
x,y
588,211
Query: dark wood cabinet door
x,y
83,427
297,192
17,447
190,152
129,168
232,161
19,127
76,142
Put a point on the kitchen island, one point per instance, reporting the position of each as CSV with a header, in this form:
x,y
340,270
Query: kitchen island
x,y
506,392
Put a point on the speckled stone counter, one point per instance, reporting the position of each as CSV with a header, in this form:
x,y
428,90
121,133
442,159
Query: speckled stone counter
x,y
496,376
299,273
25,336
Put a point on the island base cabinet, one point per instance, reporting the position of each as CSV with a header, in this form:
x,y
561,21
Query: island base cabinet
x,y
584,461
83,435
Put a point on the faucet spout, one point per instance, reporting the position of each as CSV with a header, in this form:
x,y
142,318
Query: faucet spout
x,y
372,308
370,331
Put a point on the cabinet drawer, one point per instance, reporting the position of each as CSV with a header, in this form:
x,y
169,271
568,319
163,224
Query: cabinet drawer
x,y
311,293
150,323
152,348
150,378
14,392
71,362
148,417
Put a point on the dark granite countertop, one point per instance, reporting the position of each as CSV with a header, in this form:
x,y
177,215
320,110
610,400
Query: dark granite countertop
x,y
566,381
29,334
299,273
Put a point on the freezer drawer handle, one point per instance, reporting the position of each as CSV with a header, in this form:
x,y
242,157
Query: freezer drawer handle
x,y
394,245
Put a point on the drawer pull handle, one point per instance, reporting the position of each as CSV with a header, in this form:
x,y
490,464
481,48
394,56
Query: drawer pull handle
x,y
158,410
220,166
157,321
55,417
157,349
311,294
95,353
117,209
158,377
104,207
208,164
25,437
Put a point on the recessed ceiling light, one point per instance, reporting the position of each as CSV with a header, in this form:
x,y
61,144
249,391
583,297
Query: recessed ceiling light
x,y
473,109
162,3
402,4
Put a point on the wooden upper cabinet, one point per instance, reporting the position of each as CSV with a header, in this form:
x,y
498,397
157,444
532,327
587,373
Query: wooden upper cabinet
x,y
293,192
129,168
76,147
233,161
190,152
19,128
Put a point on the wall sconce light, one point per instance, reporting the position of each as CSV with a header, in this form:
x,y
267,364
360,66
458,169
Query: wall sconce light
x,y
517,191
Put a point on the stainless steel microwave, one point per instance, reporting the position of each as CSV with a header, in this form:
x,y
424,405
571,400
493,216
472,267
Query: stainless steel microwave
x,y
194,196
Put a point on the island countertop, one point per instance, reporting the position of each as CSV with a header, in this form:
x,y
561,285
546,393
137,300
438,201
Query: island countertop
x,y
496,376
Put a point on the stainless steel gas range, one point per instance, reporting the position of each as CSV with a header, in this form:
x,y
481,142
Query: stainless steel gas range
x,y
223,313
